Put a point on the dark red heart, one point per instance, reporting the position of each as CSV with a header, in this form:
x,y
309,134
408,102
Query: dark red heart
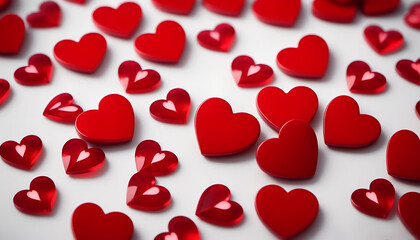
x,y
220,39
409,212
38,71
49,15
248,74
277,12
62,109
78,158
228,8
361,80
409,70
383,42
77,1
175,109
150,157
181,228
4,90
182,7
23,155
12,32
412,18
379,7
333,11
136,80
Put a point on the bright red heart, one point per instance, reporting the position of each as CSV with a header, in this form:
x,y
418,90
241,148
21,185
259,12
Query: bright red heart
x,y
12,32
409,70
277,107
135,80
78,158
165,46
77,1
4,90
309,60
62,109
38,71
83,56
361,80
23,155
181,228
89,222
412,18
112,123
248,74
383,42
229,8
4,4
49,15
277,12
286,213
150,157
144,194
377,201
221,132
220,39
333,11
39,199
403,155
216,207
418,109
175,109
379,7
409,212
182,7
121,22
344,126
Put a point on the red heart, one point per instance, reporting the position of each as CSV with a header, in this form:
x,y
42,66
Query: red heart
x,y
412,18
293,155
403,155
228,8
166,46
38,71
216,207
248,74
78,158
23,155
121,22
175,109
182,7
49,15
277,107
361,80
344,126
221,132
77,1
4,90
333,11
409,212
112,123
309,60
136,80
83,56
89,222
39,199
418,109
409,70
144,194
220,39
383,42
62,109
12,32
379,7
377,201
286,213
182,228
277,12
149,157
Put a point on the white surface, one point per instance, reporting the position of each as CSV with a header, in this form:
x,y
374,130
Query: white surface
x,y
204,73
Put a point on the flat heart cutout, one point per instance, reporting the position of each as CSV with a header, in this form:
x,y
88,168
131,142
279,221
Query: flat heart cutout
x,y
182,7
360,79
38,71
49,15
277,12
150,157
4,90
333,11
229,8
248,74
12,32
409,212
220,39
379,7
23,155
383,42
409,70
180,228
62,109
175,109
412,18
135,80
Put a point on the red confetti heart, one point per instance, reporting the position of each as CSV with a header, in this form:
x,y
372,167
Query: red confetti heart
x,y
220,39
379,7
409,212
229,8
12,32
38,71
181,228
333,11
383,42
412,18
175,109
182,7
248,74
23,155
277,12
78,158
149,157
409,70
49,15
62,109
135,80
361,80
4,90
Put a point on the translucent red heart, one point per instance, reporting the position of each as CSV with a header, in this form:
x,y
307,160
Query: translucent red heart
x,y
360,79
136,80
150,157
219,39
409,70
22,155
49,15
383,42
62,109
181,228
175,109
248,74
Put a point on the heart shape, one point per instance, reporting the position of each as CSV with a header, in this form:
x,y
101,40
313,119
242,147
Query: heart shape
x,y
4,90
409,70
220,39
181,228
412,18
175,109
62,109
182,7
229,8
49,15
135,80
150,157
23,155
248,74
409,212
277,12
334,11
379,7
12,32
38,71
383,42
361,80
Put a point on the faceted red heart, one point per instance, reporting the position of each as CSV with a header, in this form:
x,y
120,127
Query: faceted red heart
x,y
135,80
4,90
39,199
412,18
379,7
149,157
333,11
165,46
409,212
277,12
175,109
23,155
38,71
77,1
89,222
344,126
144,194
309,60
49,15
83,56
221,132
12,32
286,213
248,74
216,207
293,155
121,22
277,107
409,70
377,201
383,42
403,155
181,228
229,8
220,39
78,158
361,80
112,123
418,109
4,4
182,7
62,109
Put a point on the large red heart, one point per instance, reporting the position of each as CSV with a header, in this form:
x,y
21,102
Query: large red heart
x,y
221,132
121,22
112,123
277,12
49,15
383,42
181,228
220,39
248,74
182,7
412,18
344,126
361,80
175,109
62,109
12,32
379,7
23,155
229,8
4,90
309,60
409,70
83,56
334,12
89,222
286,213
165,46
38,71
150,157
409,212
136,80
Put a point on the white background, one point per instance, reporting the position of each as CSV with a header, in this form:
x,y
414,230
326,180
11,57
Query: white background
x,y
204,74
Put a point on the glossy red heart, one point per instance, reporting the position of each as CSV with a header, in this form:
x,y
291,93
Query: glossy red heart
x,y
286,213
333,11
409,212
175,109
4,90
418,109
220,39
121,22
62,109
221,132
83,56
229,8
277,107
165,46
309,60
150,157
89,222
181,228
4,4
38,71
377,201
23,155
409,70
248,74
78,158
182,7
379,7
12,32
361,80
383,42
277,12
216,207
412,18
344,126
77,1
136,80
112,123
403,155
49,15
39,199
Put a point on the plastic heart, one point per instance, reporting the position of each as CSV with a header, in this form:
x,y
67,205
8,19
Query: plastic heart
x,y
248,74
38,71
49,15
333,11
219,39
136,80
22,155
360,79
229,8
409,212
12,32
277,12
175,109
409,70
62,109
181,228
383,42
149,157
182,7
412,18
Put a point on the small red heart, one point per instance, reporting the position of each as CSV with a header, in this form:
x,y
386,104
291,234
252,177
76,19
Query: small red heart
x,y
175,109
135,80
308,60
38,71
181,228
23,155
77,1
182,7
379,7
221,132
418,109
83,56
89,222
409,212
344,126
49,15
409,70
62,109
112,123
165,46
277,12
361,80
121,22
4,90
412,18
286,213
39,199
12,32
334,11
78,158
4,4
383,42
229,8
248,74
377,201
149,157
220,39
